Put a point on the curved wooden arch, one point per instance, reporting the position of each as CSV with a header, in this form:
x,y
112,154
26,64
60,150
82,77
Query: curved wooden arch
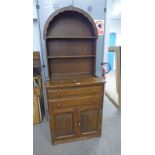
x,y
80,11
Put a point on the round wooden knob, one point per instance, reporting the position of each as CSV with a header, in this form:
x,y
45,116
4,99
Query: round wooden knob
x,y
59,104
58,94
94,90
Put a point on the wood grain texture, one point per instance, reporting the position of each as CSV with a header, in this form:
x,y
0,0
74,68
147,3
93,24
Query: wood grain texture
x,y
71,66
89,120
70,47
73,91
74,101
62,124
74,80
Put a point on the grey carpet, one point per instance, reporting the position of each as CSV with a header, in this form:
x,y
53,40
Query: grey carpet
x,y
108,144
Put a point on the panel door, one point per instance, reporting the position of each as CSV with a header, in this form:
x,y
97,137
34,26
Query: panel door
x,y
63,124
89,120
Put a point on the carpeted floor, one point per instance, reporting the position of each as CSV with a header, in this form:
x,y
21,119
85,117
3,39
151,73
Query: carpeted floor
x,y
108,144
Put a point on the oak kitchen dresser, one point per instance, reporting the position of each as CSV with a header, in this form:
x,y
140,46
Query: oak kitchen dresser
x,y
74,93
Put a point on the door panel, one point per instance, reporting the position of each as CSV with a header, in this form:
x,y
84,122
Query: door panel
x,y
89,119
63,124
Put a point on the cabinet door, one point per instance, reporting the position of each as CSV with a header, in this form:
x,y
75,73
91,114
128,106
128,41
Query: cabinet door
x,y
63,124
89,120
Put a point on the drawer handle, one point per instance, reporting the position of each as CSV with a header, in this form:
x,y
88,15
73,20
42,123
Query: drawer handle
x,y
59,105
94,91
79,124
58,94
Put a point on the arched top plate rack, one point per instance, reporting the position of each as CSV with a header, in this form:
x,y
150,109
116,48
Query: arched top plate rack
x,y
70,10
70,35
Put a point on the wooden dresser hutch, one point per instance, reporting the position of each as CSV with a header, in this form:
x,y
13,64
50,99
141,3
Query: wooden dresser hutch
x,y
74,93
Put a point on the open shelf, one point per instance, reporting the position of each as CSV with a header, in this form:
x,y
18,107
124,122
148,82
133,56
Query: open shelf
x,y
70,45
70,37
78,56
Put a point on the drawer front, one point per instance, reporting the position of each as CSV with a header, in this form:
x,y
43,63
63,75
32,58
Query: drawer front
x,y
89,90
75,101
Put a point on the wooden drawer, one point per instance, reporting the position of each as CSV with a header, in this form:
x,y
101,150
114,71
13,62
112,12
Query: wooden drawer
x,y
73,91
75,101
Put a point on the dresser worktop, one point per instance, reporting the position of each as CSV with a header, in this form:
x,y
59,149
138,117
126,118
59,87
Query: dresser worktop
x,y
74,81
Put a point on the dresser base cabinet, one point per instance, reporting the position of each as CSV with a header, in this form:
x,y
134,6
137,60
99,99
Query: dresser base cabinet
x,y
75,112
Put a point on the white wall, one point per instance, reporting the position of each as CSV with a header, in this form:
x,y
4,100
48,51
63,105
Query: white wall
x,y
36,36
115,26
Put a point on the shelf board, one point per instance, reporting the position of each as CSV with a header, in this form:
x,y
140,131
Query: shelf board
x,y
70,37
78,56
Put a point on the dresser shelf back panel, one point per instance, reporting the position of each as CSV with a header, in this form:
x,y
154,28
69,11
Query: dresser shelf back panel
x,y
71,66
70,47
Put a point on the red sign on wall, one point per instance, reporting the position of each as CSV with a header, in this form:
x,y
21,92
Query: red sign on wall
x,y
100,26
